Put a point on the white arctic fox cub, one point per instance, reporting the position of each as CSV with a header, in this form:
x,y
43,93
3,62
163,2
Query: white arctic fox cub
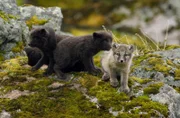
x,y
116,63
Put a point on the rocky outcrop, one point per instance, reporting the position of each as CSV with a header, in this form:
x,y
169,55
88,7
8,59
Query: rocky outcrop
x,y
168,95
14,29
160,65
52,14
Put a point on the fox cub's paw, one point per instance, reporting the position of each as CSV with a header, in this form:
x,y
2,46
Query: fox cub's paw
x,y
114,83
124,89
105,77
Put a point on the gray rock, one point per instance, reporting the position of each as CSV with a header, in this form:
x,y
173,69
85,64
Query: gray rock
x,y
170,54
141,72
157,28
16,30
169,96
53,14
159,76
9,6
14,94
5,114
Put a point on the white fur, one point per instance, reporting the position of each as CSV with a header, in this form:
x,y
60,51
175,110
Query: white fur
x,y
112,68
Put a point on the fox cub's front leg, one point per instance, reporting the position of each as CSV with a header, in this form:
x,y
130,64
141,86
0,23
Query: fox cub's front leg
x,y
124,82
113,79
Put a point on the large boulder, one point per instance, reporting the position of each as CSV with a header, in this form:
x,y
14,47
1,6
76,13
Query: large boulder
x,y
169,96
162,69
17,21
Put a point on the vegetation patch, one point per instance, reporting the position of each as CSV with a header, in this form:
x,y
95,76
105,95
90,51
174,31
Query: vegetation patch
x,y
177,89
1,56
66,101
169,47
19,47
146,105
87,80
177,74
159,65
6,17
35,21
141,81
153,88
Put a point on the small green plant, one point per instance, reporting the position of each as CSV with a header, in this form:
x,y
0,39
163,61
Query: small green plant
x,y
153,88
7,17
35,21
19,47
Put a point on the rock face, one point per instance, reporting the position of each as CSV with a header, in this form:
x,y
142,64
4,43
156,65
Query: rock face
x,y
14,32
5,114
9,6
168,95
161,65
52,14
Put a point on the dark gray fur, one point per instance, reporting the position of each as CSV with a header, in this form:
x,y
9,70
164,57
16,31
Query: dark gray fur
x,y
76,53
35,54
44,39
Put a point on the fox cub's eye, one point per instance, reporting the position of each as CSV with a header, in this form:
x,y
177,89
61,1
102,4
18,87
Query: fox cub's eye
x,y
117,54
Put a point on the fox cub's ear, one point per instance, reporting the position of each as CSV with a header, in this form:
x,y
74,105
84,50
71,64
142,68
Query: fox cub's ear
x,y
132,48
114,46
43,32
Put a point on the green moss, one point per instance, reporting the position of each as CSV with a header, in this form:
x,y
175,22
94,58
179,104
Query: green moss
x,y
108,96
19,47
14,67
35,21
141,81
139,59
87,80
66,101
1,57
162,68
169,62
146,105
63,103
36,85
97,59
153,88
177,89
132,115
154,61
169,47
7,17
177,73
118,17
159,65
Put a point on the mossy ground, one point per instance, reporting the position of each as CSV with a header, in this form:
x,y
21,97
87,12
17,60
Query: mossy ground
x,y
66,101
153,88
19,47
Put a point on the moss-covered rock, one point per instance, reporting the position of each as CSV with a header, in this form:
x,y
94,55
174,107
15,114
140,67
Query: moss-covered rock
x,y
153,88
6,17
34,20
